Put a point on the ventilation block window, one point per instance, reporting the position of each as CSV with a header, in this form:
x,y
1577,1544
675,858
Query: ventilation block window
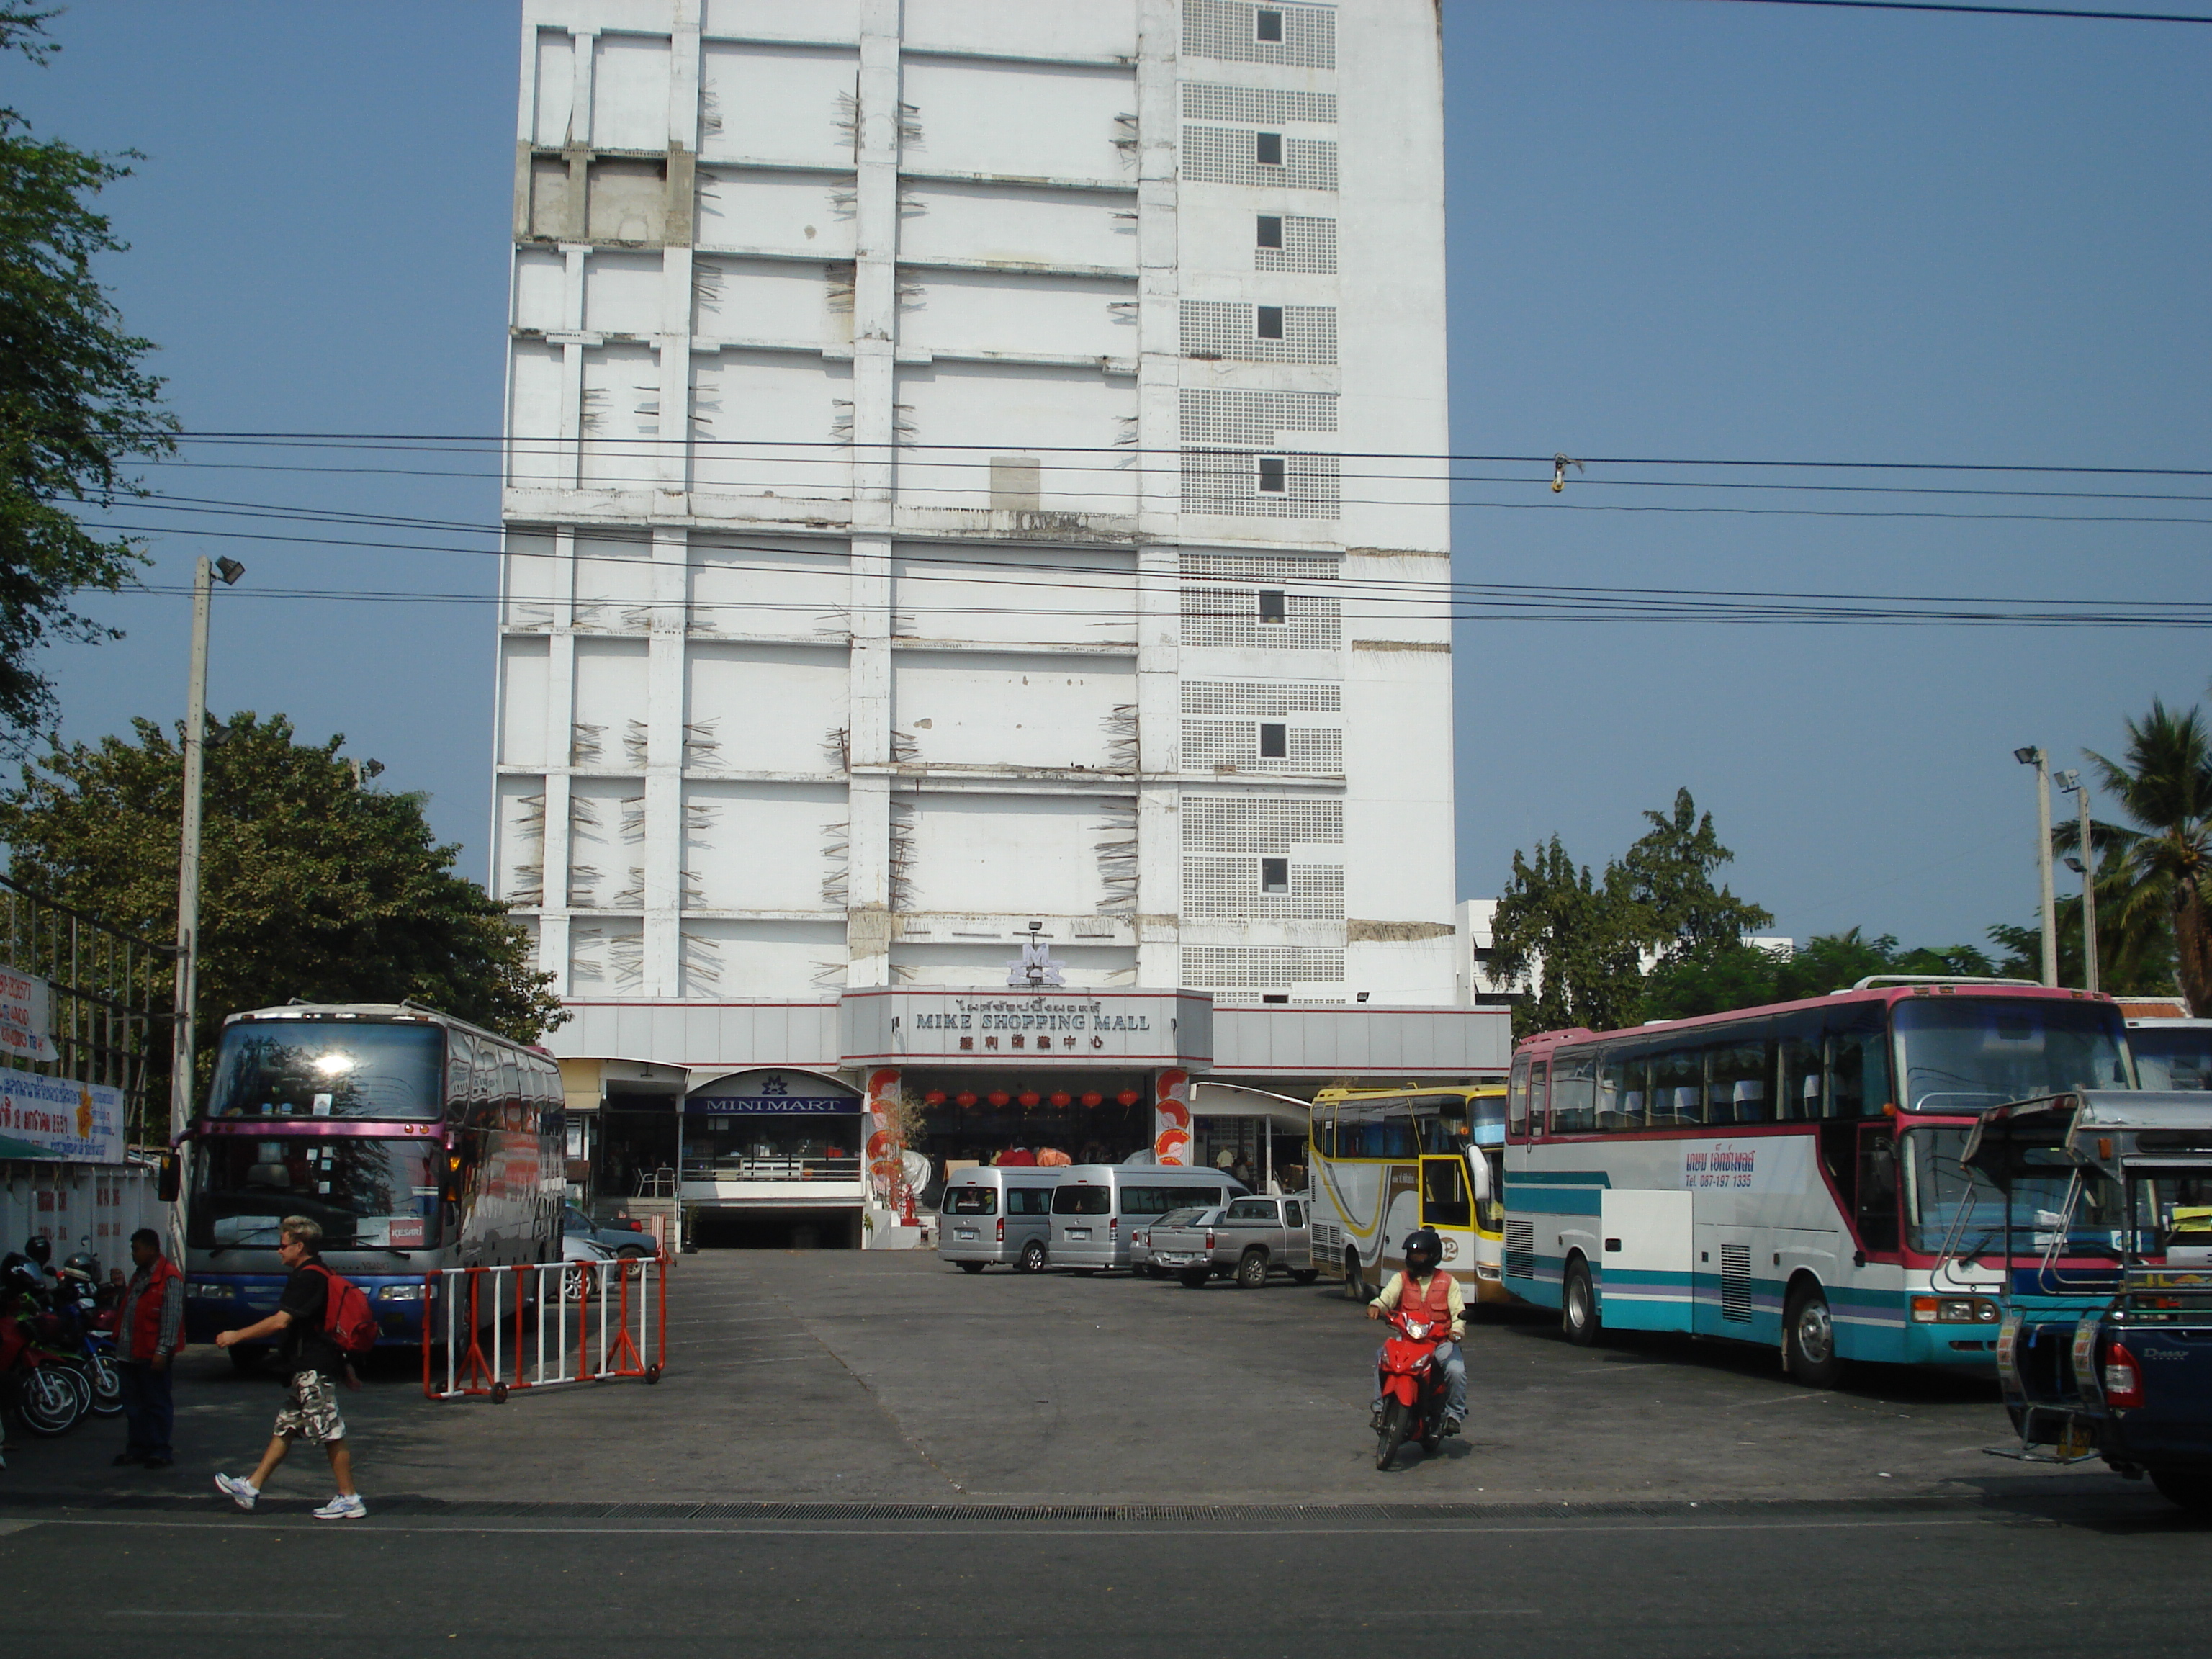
x,y
1275,740
1271,600
1271,483
1268,25
1271,230
1274,875
1268,149
1268,322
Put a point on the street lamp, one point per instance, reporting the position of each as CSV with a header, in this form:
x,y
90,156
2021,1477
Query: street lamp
x,y
2033,757
188,857
2084,866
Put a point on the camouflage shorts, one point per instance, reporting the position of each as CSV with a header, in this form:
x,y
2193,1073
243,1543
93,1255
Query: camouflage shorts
x,y
311,1411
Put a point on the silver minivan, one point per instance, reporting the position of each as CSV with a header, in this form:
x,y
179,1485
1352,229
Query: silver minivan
x,y
1096,1205
992,1214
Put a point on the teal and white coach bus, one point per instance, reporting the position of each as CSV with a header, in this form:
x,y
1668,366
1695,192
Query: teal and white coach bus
x,y
1789,1174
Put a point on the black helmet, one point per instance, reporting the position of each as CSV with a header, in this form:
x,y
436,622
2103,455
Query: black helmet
x,y
39,1249
1423,1250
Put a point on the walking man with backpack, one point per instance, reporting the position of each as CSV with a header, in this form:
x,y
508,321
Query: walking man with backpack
x,y
321,1318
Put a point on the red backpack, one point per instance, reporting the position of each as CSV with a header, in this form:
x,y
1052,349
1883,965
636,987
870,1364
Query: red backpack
x,y
346,1315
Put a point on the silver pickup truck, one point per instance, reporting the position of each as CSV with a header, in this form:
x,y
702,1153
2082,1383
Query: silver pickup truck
x,y
1246,1240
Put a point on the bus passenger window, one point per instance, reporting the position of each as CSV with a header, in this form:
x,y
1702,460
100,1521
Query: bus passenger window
x,y
1444,1194
1859,1073
1539,1093
1876,1204
1799,1079
1678,1088
1517,1099
1574,1094
1738,1083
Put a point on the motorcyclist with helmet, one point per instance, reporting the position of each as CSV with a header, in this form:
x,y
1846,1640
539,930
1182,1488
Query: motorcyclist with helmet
x,y
1428,1293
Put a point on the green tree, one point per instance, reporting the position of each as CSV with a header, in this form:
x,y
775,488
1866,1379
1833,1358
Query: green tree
x,y
2163,783
75,402
1717,978
1668,874
1580,939
312,884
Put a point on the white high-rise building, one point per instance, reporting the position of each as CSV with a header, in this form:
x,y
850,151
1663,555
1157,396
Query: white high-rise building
x,y
976,470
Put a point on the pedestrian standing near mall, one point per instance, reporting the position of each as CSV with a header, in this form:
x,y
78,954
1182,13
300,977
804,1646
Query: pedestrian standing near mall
x,y
149,1336
314,1363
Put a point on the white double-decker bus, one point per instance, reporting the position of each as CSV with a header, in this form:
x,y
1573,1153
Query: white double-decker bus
x,y
1789,1174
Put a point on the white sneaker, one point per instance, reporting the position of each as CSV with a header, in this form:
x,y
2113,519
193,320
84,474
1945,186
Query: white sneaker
x,y
240,1491
347,1506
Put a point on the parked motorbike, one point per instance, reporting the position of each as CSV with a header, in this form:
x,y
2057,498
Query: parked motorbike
x,y
47,1396
85,1339
1412,1387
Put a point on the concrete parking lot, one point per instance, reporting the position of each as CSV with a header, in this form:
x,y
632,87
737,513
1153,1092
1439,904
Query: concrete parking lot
x,y
893,1378
880,1452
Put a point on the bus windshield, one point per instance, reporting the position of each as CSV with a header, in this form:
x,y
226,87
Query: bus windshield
x,y
321,1068
365,1194
1960,1211
1964,1054
2172,1056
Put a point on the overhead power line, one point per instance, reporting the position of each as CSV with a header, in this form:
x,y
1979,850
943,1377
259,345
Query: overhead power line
x,y
1992,11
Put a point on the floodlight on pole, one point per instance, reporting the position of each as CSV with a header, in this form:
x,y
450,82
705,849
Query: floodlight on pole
x,y
2033,755
2084,866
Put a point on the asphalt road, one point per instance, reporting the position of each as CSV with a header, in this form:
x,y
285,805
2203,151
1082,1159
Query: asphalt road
x,y
876,1449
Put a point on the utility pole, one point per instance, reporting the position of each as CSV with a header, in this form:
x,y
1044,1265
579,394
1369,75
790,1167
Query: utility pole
x,y
2034,756
188,857
2084,861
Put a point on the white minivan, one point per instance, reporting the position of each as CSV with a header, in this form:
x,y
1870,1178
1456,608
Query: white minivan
x,y
992,1214
1096,1204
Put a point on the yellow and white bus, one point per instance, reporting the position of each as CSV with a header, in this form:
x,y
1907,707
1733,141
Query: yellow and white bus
x,y
1386,1161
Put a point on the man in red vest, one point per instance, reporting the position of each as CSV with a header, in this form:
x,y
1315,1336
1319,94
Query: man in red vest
x,y
148,1336
1430,1295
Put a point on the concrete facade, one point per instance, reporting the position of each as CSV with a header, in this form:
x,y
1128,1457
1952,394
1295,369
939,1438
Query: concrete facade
x,y
974,485
948,490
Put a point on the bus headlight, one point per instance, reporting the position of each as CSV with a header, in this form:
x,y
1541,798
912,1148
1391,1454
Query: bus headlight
x,y
400,1293
211,1291
1954,1310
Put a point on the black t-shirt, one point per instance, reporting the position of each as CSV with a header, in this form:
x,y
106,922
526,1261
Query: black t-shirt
x,y
308,1347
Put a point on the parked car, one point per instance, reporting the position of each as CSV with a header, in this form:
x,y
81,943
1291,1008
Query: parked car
x,y
1142,1261
1097,1205
579,1256
624,1236
996,1213
1247,1239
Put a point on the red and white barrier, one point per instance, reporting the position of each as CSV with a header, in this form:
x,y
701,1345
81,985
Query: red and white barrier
x,y
491,1330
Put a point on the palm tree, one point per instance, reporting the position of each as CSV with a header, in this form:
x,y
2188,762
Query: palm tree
x,y
2165,786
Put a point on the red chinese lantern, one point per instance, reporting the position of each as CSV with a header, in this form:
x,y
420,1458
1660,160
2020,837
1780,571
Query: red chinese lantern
x,y
1093,1098
934,1098
1029,1097
1063,1100
997,1096
1129,1097
963,1099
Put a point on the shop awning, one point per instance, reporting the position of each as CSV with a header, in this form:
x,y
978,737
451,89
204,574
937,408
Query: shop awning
x,y
1234,1100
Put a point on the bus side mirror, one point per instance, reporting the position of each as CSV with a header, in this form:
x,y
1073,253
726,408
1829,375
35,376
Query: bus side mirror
x,y
166,1173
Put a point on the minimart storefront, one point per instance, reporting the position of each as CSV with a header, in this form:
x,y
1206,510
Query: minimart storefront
x,y
831,1122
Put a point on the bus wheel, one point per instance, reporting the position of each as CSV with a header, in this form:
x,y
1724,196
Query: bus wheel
x,y
1808,1339
1304,1275
1355,1287
2189,1488
1578,1313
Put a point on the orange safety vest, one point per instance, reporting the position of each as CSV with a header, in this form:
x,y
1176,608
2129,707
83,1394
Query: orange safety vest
x,y
1432,1303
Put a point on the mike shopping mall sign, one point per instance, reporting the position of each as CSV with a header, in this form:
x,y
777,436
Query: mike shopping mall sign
x,y
1029,1028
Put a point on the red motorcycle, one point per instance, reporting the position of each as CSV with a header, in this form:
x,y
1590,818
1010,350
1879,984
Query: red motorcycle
x,y
1412,1387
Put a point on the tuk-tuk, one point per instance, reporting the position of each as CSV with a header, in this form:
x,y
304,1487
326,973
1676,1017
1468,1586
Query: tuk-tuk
x,y
2104,1348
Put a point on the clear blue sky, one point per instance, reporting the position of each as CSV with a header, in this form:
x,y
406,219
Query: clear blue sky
x,y
1678,228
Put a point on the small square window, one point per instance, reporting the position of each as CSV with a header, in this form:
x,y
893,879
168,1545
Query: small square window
x,y
1268,149
1275,740
1271,230
1268,25
1271,479
1270,606
1268,322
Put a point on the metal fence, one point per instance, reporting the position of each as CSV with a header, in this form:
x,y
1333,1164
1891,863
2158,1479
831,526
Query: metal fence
x,y
491,1330
111,992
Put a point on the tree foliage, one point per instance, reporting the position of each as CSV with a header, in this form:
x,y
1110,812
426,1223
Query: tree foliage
x,y
2161,860
1580,939
76,401
1667,874
311,885
1717,978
